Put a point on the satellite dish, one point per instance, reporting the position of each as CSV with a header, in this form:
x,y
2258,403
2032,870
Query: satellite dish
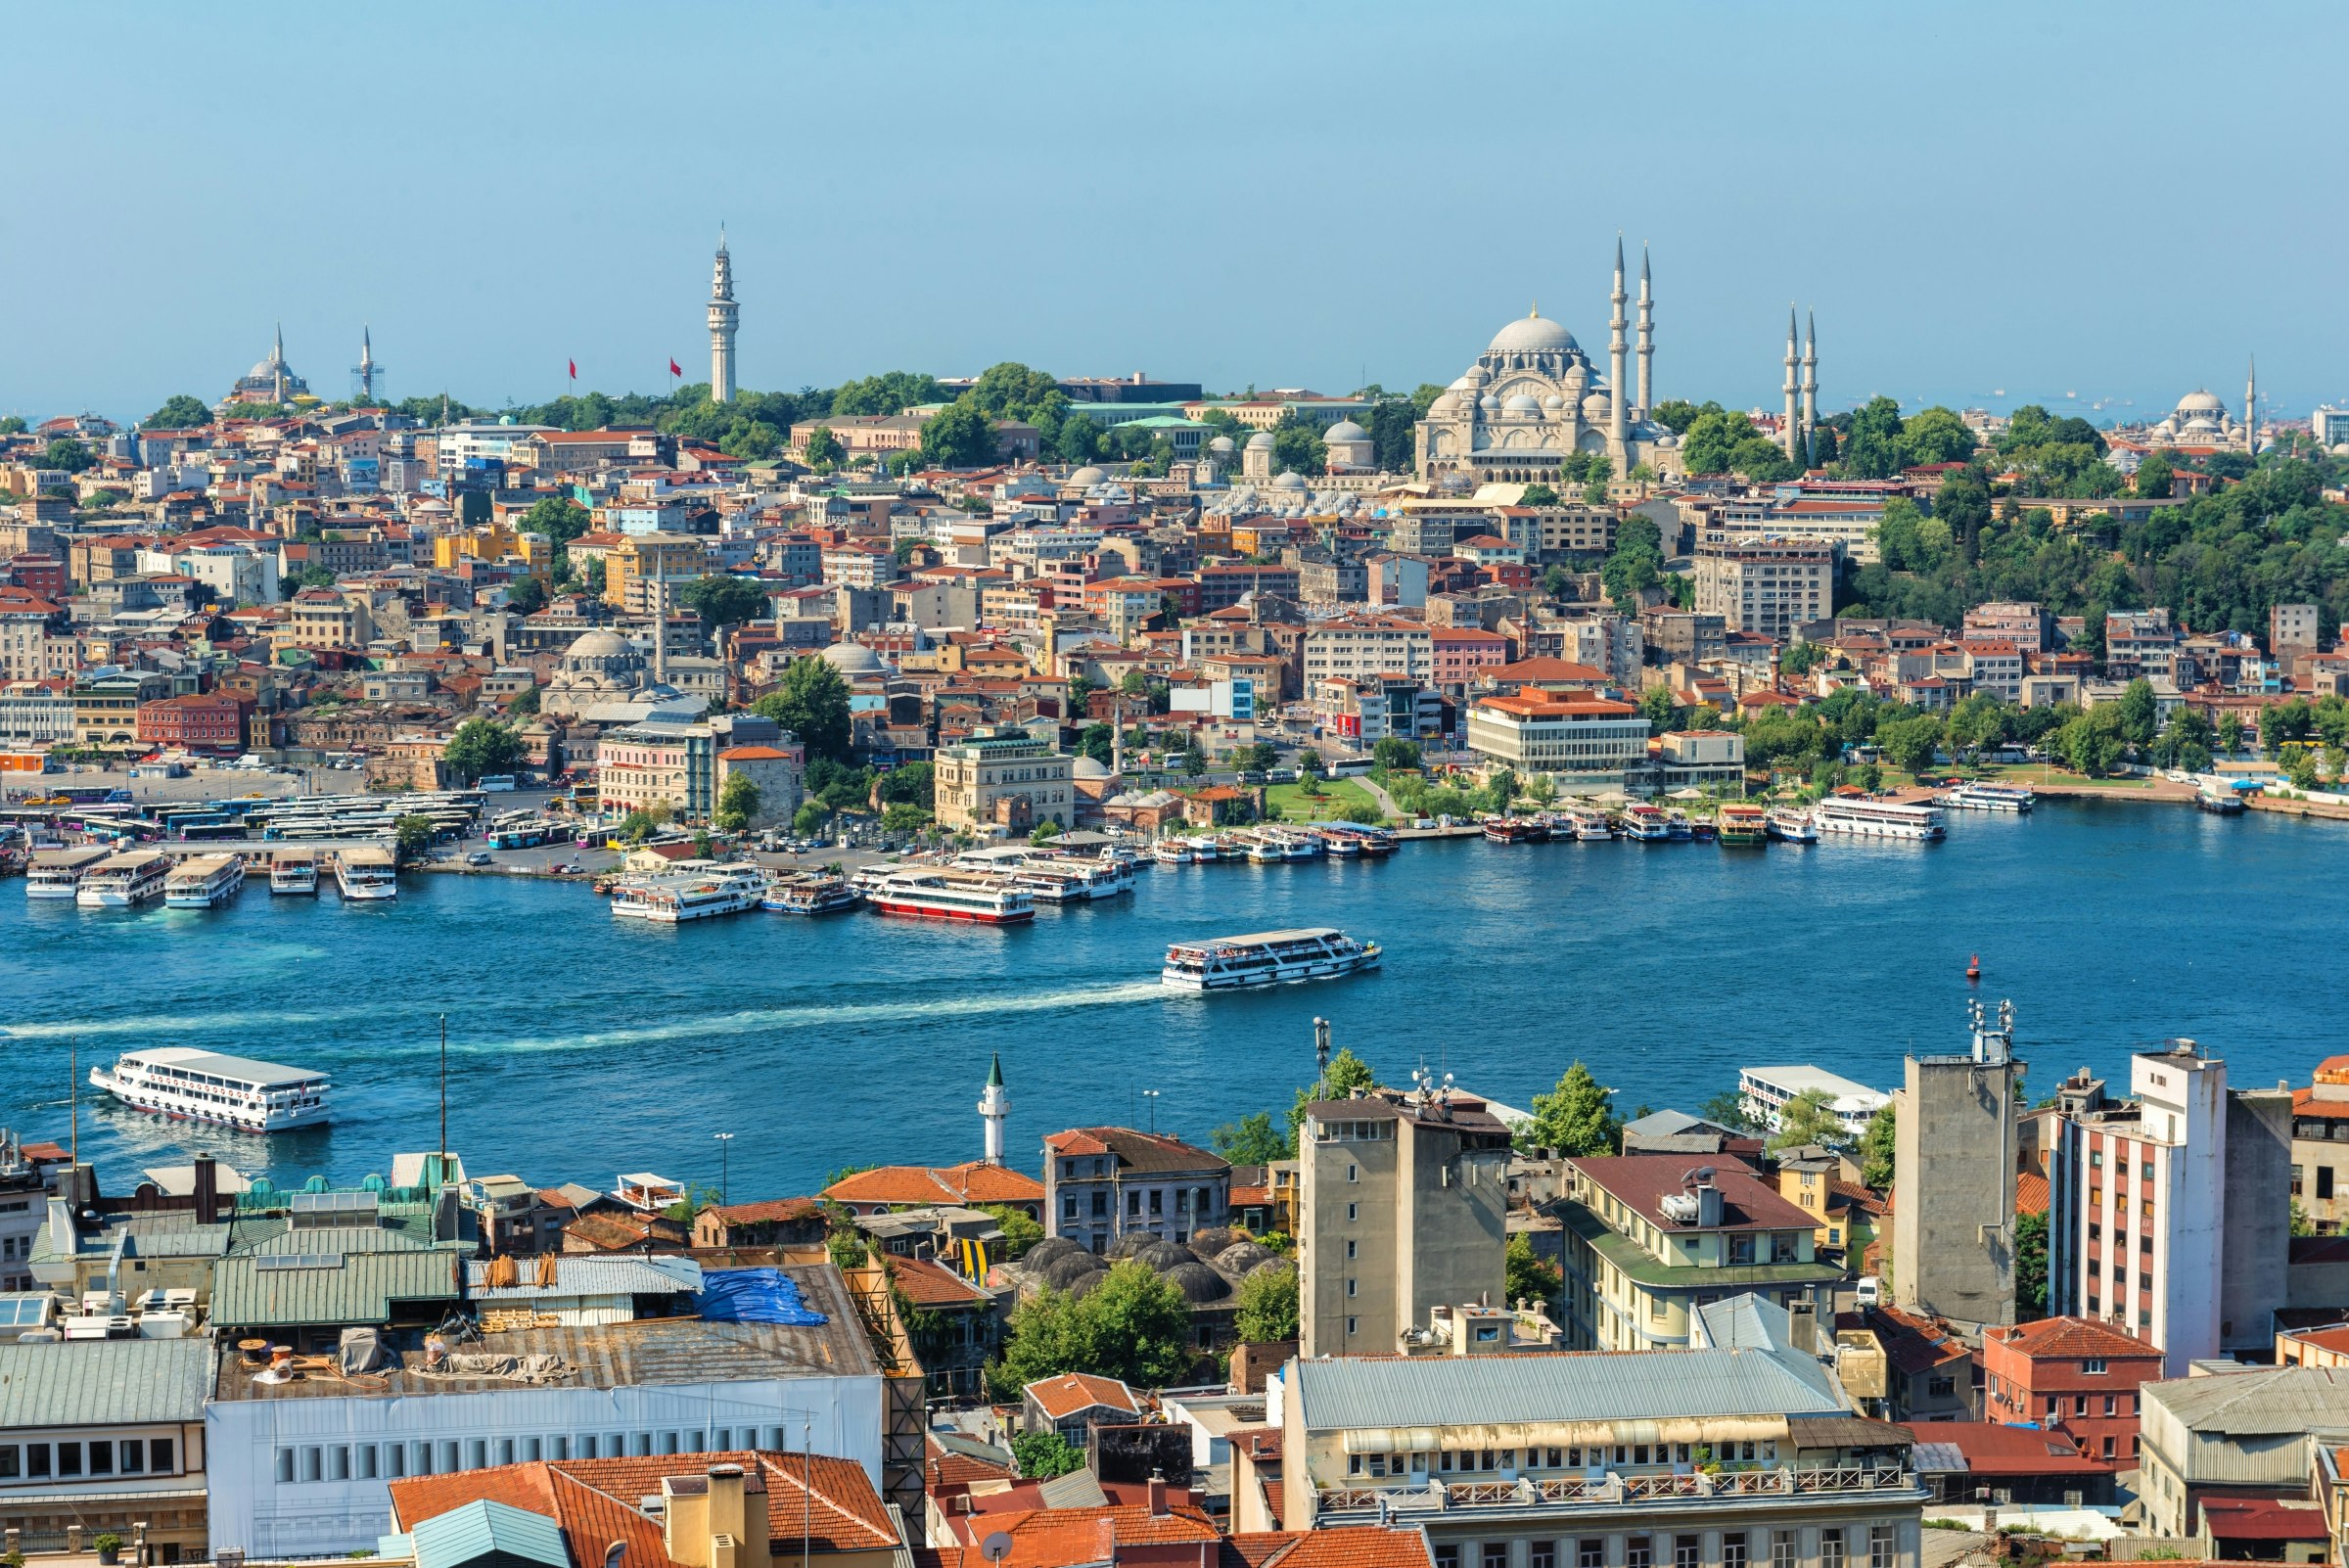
x,y
997,1547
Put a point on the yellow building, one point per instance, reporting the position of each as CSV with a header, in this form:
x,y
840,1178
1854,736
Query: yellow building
x,y
495,544
675,558
1010,780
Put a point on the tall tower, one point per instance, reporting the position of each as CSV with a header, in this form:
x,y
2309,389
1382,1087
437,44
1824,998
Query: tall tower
x,y
994,1108
277,366
724,316
1810,388
1618,393
1791,431
2251,408
1952,1238
1648,337
366,370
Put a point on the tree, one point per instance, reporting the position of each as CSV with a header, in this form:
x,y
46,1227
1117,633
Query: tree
x,y
1808,1119
411,838
1728,1109
69,454
2031,1265
2154,475
737,803
1020,1230
2230,732
1935,435
525,703
179,412
958,436
1298,446
913,784
1530,1279
2300,767
1268,1307
560,517
1574,1119
1194,757
527,596
1347,1073
812,703
724,600
1911,743
1252,1139
1876,1148
2139,712
1309,770
810,819
1133,1327
480,747
1662,712
823,449
1678,413
1041,1456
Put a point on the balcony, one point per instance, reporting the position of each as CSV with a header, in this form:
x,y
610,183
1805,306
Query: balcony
x,y
1611,1492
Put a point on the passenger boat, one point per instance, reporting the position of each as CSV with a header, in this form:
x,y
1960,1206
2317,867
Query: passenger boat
x,y
58,873
953,896
1793,824
1646,823
1861,816
1336,841
1173,851
124,881
1989,798
1589,823
810,893
202,880
294,871
366,872
1206,849
1744,824
1704,830
673,897
2217,803
1678,826
1054,878
1515,830
1266,958
193,1086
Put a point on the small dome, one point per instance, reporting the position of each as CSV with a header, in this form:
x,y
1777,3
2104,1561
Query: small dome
x,y
1131,1243
1346,430
1461,383
1289,479
851,658
1489,403
1272,1265
1087,767
1049,1252
1261,441
1087,475
1063,1273
1242,1256
1522,403
1160,1255
1213,1240
1085,1284
1198,1282
1476,375
1532,334
1221,446
1599,408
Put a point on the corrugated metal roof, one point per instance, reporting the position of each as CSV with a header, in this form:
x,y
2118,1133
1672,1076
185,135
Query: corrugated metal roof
x,y
581,1275
358,1288
104,1382
2253,1403
479,1528
1602,1386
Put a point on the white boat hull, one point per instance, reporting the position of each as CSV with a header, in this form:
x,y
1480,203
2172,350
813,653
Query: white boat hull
x,y
1279,975
178,1109
1912,832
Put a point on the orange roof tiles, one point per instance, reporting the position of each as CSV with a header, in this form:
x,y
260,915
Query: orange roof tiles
x,y
926,1283
1062,1397
2073,1338
973,1182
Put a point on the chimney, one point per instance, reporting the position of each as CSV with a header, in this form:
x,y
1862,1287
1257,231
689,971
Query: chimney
x,y
207,1191
726,1516
1708,1204
1158,1494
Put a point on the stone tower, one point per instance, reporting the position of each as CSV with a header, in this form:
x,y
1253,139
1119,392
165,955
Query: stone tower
x,y
724,316
1648,337
994,1108
1810,388
2251,408
1617,393
1790,432
1954,1138
366,367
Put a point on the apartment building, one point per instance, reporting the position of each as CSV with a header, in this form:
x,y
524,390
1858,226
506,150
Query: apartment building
x,y
2031,628
106,1436
2070,1375
35,715
34,642
1009,780
2139,642
1534,731
324,618
1766,587
1103,1182
2255,1433
1356,647
1400,1202
2321,1147
1650,1237
658,763
639,559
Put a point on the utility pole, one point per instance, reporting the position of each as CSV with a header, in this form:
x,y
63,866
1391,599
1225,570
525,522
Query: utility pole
x,y
724,1142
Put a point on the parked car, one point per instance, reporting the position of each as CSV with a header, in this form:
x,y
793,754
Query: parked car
x,y
479,858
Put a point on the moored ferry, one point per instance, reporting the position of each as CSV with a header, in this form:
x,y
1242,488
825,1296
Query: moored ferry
x,y
124,881
1646,823
58,873
202,880
193,1086
1055,878
1793,824
365,872
1206,849
1516,830
294,871
1989,798
1173,851
1590,822
1678,826
1743,823
810,894
1266,958
675,897
987,900
1861,817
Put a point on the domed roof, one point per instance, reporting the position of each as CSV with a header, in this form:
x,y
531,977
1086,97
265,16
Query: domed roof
x,y
1288,479
1087,475
1597,407
1160,1255
1261,441
1198,1282
2199,401
1063,1273
1532,334
1241,1256
1346,430
1087,767
1049,1252
1553,401
1213,1239
599,644
852,659
1272,1265
1222,445
1521,404
1087,1283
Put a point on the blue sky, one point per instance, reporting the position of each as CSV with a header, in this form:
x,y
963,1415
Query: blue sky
x,y
2117,200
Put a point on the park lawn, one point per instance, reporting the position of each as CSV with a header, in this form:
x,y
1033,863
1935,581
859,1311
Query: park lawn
x,y
1288,803
2050,774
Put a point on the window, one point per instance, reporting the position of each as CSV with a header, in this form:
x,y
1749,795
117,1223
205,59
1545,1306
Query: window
x,y
1496,1555
2054,1407
1687,1552
1349,1325
1351,1211
1133,1203
284,1465
69,1460
101,1458
1350,1252
2323,1181
1830,1548
1940,1388
1591,1554
1781,1548
2078,1404
2093,1366
366,1455
395,1460
2108,1447
337,1464
1882,1546
1448,1557
1732,1551
1541,1554
2111,1406
1639,1553
1350,1284
1068,1206
1100,1205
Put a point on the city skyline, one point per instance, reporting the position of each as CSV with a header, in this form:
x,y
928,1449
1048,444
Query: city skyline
x,y
1329,247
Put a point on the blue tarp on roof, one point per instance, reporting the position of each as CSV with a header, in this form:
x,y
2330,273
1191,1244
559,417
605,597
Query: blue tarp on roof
x,y
755,1296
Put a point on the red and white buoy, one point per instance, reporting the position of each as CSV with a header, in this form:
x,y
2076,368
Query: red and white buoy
x,y
1973,966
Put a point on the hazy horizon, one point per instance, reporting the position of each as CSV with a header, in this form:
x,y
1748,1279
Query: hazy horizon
x,y
2115,201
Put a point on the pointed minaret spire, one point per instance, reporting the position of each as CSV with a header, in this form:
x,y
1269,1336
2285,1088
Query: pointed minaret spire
x,y
995,1109
1618,390
1648,335
2251,406
1789,432
1810,387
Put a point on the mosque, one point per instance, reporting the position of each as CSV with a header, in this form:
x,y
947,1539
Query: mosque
x,y
271,381
1533,399
603,679
2200,423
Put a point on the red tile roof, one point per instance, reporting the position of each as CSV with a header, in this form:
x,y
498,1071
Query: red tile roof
x,y
930,1285
1644,1180
1990,1449
2262,1519
768,1208
2073,1338
973,1182
2030,1193
1060,1398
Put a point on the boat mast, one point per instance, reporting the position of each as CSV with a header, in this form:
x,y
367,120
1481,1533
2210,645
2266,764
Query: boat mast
x,y
444,1098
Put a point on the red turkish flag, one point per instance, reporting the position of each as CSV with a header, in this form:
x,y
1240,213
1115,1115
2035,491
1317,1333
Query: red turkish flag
x,y
575,368
674,370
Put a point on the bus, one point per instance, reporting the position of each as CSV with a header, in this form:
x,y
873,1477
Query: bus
x,y
90,795
229,829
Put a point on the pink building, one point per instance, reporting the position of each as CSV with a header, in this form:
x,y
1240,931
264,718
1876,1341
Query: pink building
x,y
1460,653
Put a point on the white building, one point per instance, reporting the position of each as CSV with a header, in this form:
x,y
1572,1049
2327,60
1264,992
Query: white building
x,y
1763,1093
1358,647
1766,587
1534,731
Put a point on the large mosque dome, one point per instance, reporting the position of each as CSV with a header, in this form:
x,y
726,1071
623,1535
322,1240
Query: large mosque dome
x,y
1532,334
852,659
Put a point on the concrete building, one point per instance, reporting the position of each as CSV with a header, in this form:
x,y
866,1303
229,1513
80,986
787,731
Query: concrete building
x,y
774,772
1103,1182
2321,1147
105,1435
1358,647
1533,732
658,763
2248,1434
1952,1219
1008,780
1684,1458
1400,1201
2073,1377
1766,587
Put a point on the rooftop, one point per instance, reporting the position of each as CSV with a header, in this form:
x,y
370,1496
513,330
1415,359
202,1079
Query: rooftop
x,y
113,1382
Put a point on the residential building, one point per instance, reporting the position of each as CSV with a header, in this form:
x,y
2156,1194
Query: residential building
x,y
904,1186
2243,1435
2139,642
1074,1401
1698,759
35,643
1904,1367
1008,780
1531,731
105,1435
658,763
1684,1458
1650,1238
2319,1142
1953,1166
2070,1375
1358,647
1103,1182
36,715
1766,587
641,559
2031,628
954,1326
106,705
1763,1093
1462,654
197,722
769,1223
1400,1201
324,618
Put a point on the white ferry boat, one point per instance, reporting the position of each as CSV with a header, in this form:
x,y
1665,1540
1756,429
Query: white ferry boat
x,y
1990,798
988,900
1053,878
124,881
1173,851
58,873
810,894
1793,824
366,871
294,871
1590,822
1206,849
672,897
1648,823
1857,816
204,880
1266,958
193,1086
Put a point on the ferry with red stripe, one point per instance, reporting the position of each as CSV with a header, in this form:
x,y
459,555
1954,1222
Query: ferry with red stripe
x,y
943,895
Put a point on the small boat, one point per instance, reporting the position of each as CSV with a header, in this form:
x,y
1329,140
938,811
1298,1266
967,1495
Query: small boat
x,y
124,881
1266,958
365,873
1173,851
236,1091
1793,824
1591,824
294,871
1516,830
2219,803
810,894
1988,798
689,892
204,881
1744,824
1704,830
1646,823
941,894
1864,816
1206,849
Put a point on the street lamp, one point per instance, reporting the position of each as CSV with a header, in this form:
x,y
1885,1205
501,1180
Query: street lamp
x,y
1152,1096
723,1139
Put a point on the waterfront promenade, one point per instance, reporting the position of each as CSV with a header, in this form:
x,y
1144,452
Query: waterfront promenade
x,y
582,1045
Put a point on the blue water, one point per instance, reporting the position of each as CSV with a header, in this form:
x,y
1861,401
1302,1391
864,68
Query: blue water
x,y
582,1046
